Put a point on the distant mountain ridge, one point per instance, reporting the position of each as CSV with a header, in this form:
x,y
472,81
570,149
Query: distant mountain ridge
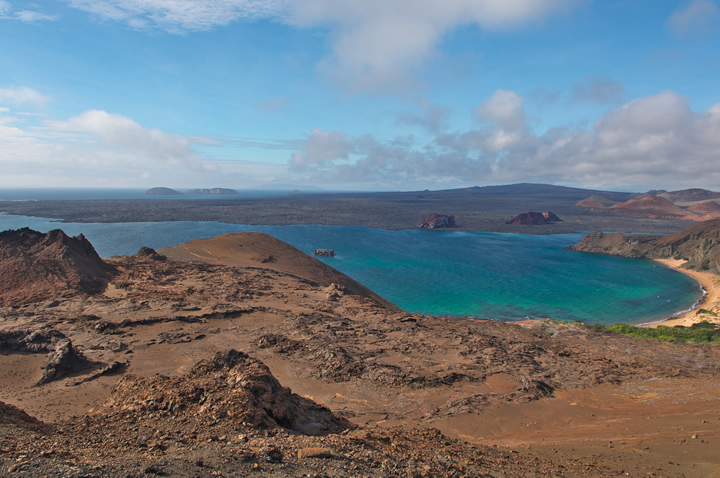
x,y
694,204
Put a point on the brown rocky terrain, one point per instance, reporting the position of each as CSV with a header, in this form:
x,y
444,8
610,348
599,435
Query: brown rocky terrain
x,y
187,352
36,266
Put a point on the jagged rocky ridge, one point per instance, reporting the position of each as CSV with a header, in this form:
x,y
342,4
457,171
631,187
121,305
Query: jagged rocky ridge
x,y
36,266
699,245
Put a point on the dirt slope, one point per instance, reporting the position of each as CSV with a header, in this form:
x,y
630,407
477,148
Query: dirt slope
x,y
255,249
650,206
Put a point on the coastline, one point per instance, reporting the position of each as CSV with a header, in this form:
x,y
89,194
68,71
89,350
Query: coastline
x,y
710,300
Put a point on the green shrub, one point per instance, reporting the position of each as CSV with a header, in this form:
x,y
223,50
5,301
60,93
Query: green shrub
x,y
702,333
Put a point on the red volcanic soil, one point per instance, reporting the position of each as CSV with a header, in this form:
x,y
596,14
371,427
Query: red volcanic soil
x,y
255,249
650,206
706,208
596,202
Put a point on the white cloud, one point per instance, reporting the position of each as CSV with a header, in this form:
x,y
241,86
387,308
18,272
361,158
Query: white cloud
x,y
376,44
697,16
179,16
21,95
379,43
123,134
321,149
31,16
95,148
28,16
648,143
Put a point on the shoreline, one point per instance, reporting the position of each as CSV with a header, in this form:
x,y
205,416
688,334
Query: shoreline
x,y
709,300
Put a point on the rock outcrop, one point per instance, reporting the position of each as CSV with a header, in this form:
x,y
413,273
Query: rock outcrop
x,y
324,252
699,245
231,386
534,218
436,221
63,358
36,266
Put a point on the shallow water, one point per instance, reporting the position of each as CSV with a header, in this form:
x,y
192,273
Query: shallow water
x,y
446,273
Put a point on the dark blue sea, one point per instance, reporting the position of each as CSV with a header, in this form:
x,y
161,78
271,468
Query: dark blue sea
x,y
446,273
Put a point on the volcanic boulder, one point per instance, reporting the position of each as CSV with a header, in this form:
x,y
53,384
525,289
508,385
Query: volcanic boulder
x,y
231,386
36,267
63,358
436,221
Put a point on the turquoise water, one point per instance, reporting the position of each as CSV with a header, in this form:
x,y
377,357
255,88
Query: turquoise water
x,y
446,273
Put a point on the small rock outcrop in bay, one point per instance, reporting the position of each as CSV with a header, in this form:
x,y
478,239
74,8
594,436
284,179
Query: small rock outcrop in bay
x,y
324,252
534,218
231,386
162,192
35,266
437,221
699,245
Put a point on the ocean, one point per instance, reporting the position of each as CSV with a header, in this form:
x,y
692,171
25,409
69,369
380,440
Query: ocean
x,y
445,273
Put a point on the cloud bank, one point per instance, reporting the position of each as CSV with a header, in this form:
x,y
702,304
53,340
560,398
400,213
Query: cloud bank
x,y
94,148
651,142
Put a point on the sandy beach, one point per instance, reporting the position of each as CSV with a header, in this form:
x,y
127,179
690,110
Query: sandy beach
x,y
710,300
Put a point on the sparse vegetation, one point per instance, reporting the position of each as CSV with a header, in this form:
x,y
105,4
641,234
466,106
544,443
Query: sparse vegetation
x,y
702,333
706,311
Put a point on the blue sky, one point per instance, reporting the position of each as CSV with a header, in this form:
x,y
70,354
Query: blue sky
x,y
360,94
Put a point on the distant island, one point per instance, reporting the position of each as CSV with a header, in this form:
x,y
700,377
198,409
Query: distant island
x,y
162,192
172,192
211,191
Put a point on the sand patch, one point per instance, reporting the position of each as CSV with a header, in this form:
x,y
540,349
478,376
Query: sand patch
x,y
710,301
